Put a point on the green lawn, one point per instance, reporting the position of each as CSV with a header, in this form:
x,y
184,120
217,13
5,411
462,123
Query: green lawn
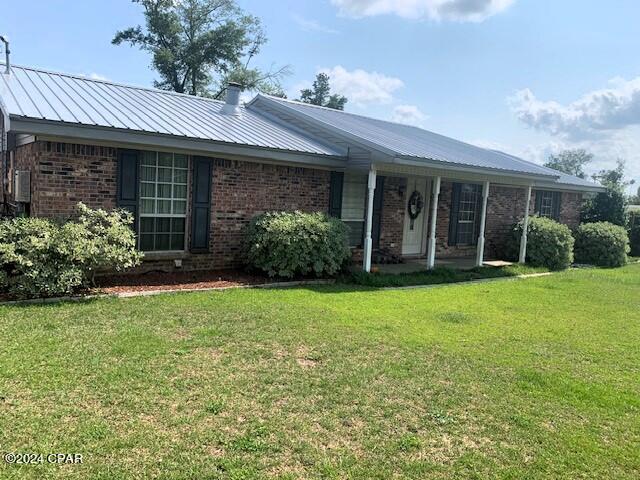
x,y
536,378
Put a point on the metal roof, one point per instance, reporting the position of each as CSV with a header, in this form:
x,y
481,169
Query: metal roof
x,y
43,95
407,141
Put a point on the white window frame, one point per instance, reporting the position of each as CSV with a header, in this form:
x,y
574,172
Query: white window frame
x,y
546,203
171,215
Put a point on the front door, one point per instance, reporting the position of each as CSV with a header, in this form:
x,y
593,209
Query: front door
x,y
415,216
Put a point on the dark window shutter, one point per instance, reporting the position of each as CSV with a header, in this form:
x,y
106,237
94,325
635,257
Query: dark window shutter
x,y
557,200
201,204
378,200
335,194
453,215
127,183
538,204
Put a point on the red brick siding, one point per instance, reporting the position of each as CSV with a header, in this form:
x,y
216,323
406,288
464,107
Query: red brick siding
x,y
63,174
392,221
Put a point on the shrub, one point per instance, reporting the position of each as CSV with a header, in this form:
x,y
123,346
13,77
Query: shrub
x,y
288,244
634,233
39,257
549,243
601,243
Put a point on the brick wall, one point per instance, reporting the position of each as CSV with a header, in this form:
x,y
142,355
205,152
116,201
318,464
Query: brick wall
x,y
392,221
63,174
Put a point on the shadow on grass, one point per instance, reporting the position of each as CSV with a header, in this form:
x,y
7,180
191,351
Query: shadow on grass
x,y
440,275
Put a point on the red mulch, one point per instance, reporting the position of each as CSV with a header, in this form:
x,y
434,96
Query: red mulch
x,y
177,281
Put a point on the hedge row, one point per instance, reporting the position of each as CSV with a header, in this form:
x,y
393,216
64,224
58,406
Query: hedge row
x,y
553,245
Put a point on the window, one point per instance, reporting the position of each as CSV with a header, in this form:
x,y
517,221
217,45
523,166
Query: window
x,y
465,214
548,204
354,195
163,201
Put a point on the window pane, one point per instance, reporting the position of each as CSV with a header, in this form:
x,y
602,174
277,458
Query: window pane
x,y
177,242
179,207
148,158
163,241
163,225
180,161
353,197
164,206
164,190
146,225
179,191
146,242
148,174
356,230
147,189
165,159
147,206
180,175
177,225
164,175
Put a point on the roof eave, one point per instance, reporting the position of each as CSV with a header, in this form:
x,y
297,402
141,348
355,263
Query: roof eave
x,y
453,167
151,140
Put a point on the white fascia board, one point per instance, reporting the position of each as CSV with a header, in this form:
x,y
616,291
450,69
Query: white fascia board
x,y
149,140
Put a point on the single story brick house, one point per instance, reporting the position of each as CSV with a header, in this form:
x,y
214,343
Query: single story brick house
x,y
194,171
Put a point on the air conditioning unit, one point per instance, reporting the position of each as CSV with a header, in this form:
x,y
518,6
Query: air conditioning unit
x,y
22,186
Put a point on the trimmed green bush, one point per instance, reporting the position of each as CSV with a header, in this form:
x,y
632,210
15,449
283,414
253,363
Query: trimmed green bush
x,y
42,258
289,244
602,243
549,243
634,233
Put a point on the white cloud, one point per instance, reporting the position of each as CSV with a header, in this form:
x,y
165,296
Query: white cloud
x,y
456,10
309,25
362,87
595,114
97,76
408,114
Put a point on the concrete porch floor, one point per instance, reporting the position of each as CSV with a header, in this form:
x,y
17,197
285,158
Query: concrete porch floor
x,y
418,264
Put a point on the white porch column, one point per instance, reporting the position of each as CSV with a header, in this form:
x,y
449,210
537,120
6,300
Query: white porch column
x,y
483,221
435,191
371,189
525,227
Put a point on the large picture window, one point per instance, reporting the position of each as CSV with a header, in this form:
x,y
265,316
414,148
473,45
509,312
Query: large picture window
x,y
548,204
163,201
354,194
465,214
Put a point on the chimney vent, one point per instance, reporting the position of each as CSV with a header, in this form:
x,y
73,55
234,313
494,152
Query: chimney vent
x,y
232,101
7,52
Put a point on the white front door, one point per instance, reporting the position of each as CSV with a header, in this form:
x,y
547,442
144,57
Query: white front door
x,y
416,209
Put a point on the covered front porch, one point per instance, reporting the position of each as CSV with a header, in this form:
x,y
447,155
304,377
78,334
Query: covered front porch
x,y
441,218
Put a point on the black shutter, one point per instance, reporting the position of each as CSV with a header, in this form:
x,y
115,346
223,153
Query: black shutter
x,y
378,200
201,204
335,194
478,213
127,183
538,204
453,215
557,200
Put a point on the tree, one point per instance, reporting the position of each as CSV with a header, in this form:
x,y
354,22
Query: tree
x,y
635,199
320,94
609,206
200,44
570,161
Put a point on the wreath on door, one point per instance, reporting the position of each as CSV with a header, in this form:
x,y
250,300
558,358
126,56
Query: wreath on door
x,y
415,206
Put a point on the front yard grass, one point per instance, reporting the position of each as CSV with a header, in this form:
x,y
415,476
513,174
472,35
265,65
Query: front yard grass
x,y
529,379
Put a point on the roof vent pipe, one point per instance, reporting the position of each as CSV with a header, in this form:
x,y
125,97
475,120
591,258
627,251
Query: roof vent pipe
x,y
232,102
5,40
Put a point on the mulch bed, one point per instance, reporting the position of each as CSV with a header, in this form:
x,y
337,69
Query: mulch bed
x,y
113,284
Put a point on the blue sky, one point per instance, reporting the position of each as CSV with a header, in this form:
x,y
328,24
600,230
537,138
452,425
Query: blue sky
x,y
526,76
